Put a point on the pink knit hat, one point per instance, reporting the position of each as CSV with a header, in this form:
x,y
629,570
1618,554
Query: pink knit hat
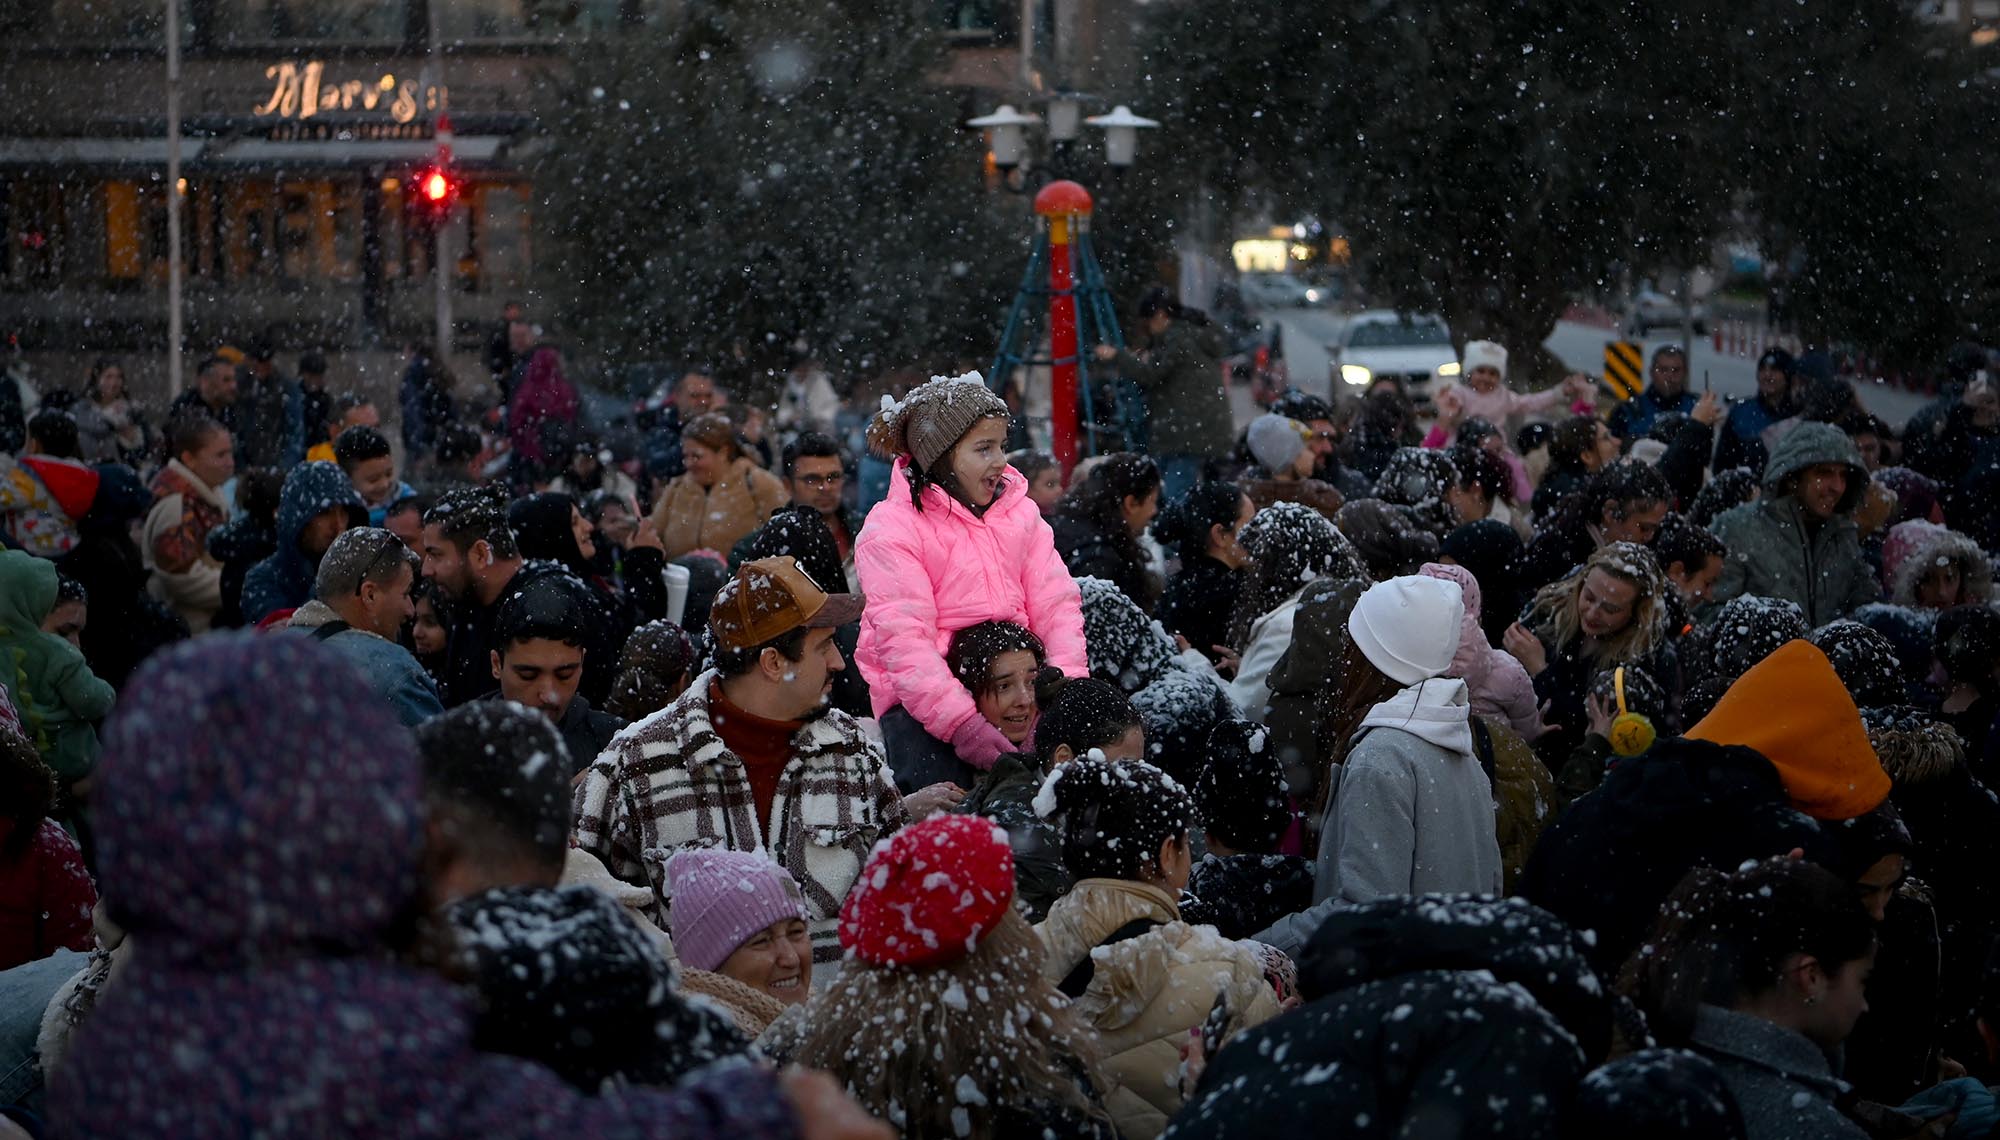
x,y
719,899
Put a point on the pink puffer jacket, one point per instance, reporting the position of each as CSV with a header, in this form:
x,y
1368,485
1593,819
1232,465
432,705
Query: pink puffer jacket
x,y
1498,683
930,573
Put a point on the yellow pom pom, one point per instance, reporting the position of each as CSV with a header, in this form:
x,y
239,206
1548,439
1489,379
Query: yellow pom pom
x,y
1631,734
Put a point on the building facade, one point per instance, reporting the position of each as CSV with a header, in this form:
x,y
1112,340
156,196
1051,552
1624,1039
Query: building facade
x,y
305,124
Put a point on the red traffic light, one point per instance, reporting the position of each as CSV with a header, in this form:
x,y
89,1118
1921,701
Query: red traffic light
x,y
436,187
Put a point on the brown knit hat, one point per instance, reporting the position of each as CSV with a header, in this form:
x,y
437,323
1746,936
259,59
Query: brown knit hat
x,y
713,431
934,416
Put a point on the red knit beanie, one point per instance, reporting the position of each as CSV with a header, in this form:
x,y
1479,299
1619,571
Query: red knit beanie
x,y
930,893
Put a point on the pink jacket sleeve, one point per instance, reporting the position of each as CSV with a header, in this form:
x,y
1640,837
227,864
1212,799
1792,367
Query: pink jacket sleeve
x,y
1055,604
1509,686
899,629
1541,401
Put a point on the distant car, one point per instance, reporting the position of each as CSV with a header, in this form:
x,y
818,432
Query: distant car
x,y
1275,291
1413,349
1652,309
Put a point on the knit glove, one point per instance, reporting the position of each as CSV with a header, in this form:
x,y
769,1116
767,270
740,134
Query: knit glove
x,y
979,744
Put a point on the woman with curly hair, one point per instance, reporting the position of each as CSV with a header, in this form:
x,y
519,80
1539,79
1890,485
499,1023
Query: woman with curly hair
x,y
941,1023
1611,611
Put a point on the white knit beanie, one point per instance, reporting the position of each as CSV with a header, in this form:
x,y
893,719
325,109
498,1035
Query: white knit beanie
x,y
1484,354
1408,627
1275,441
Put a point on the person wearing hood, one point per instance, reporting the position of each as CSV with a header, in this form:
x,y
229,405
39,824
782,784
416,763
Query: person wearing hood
x,y
956,542
1117,946
1427,1016
279,929
1409,811
1800,541
1291,545
361,601
1927,566
48,680
1177,693
541,417
187,505
245,540
1783,752
1498,685
317,503
1285,464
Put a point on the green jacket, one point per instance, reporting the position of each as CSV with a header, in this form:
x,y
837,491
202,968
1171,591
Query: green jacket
x,y
59,698
1775,553
1187,409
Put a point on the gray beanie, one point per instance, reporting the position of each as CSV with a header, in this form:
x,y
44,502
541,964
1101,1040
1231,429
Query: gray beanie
x,y
1276,441
933,417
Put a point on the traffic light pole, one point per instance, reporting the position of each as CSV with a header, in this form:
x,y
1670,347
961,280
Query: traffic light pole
x,y
442,122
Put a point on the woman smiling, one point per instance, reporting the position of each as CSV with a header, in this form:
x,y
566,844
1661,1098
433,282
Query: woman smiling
x,y
739,925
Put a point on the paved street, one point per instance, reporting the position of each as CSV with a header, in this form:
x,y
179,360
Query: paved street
x,y
1581,346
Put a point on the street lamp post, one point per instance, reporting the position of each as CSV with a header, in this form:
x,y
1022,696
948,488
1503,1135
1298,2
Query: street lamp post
x,y
1064,209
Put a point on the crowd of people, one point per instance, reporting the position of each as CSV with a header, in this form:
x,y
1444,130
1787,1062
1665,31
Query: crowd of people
x,y
1527,764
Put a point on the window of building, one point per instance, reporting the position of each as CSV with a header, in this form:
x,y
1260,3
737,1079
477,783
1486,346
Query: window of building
x,y
976,21
269,21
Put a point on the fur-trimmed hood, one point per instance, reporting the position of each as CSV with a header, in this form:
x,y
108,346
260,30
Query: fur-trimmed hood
x,y
1915,748
1914,547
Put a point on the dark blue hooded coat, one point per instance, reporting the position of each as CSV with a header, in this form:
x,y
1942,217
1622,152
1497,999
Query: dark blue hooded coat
x,y
284,581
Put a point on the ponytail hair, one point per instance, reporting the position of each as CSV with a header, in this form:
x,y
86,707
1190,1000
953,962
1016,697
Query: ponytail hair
x,y
1186,522
1726,939
1114,815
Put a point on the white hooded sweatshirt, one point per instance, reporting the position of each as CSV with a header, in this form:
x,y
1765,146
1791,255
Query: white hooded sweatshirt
x,y
1411,810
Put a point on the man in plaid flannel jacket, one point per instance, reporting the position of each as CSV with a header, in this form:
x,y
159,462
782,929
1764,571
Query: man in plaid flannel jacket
x,y
750,757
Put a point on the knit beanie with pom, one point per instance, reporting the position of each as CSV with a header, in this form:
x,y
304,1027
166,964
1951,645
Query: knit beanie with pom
x,y
929,893
926,423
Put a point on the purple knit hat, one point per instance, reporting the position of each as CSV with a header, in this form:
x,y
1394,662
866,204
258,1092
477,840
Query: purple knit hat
x,y
719,898
256,800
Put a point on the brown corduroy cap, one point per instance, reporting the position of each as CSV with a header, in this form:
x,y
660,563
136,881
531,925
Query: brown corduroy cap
x,y
771,597
933,417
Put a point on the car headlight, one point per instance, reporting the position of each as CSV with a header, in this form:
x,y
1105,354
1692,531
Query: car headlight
x,y
1448,369
1356,375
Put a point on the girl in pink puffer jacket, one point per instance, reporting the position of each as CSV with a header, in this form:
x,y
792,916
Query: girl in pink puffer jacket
x,y
1498,684
956,542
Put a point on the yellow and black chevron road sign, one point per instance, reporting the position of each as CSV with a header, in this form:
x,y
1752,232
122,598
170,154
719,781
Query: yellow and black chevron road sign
x,y
1621,368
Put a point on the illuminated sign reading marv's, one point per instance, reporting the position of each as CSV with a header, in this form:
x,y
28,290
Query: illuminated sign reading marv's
x,y
300,93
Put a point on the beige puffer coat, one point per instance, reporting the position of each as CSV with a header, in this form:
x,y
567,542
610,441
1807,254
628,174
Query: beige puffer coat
x,y
1147,992
691,517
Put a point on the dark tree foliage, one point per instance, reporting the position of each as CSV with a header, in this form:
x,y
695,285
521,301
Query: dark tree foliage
x,y
759,173
1492,159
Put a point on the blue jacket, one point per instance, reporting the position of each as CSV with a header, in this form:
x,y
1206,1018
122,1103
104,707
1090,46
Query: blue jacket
x,y
1634,418
285,579
389,668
